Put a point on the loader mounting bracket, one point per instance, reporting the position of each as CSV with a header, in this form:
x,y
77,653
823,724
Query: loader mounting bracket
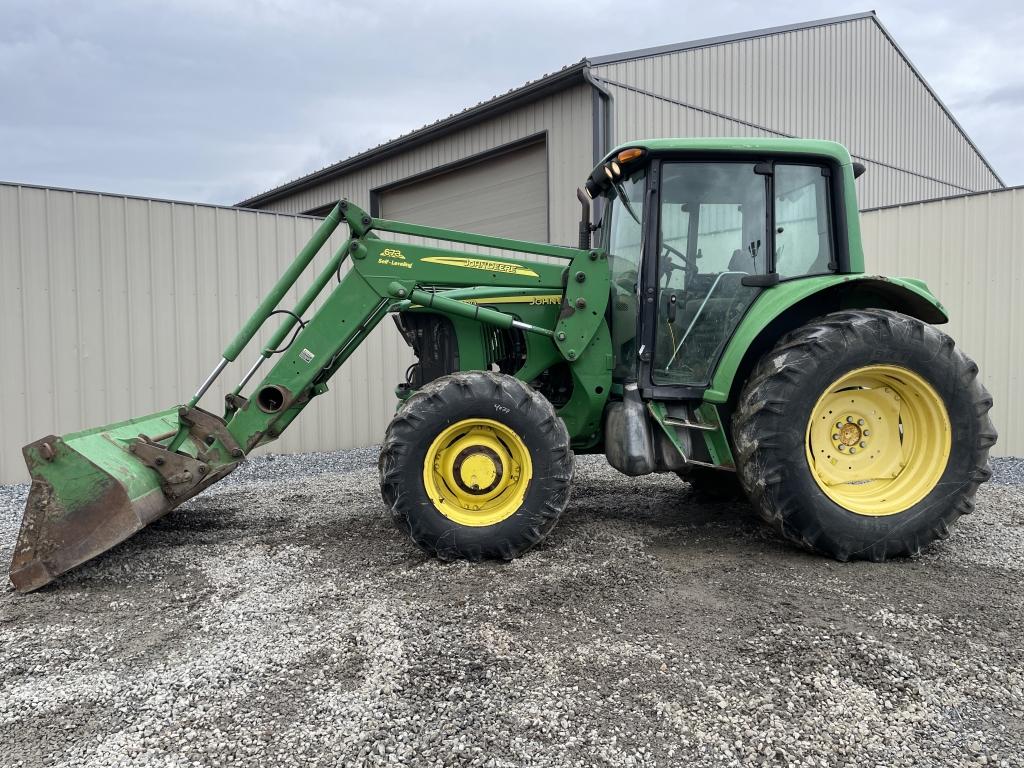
x,y
178,472
234,403
209,429
181,475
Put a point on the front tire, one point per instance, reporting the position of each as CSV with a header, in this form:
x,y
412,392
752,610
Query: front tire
x,y
476,465
864,434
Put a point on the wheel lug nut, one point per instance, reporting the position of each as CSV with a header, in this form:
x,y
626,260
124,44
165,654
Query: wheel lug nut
x,y
842,447
849,419
867,433
853,450
835,437
839,424
861,422
863,445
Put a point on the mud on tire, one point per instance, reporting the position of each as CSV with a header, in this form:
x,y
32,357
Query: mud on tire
x,y
451,400
771,421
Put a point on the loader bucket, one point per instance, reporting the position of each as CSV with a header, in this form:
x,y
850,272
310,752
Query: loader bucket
x,y
90,492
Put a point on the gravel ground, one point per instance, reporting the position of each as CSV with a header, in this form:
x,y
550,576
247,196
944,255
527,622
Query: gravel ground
x,y
280,619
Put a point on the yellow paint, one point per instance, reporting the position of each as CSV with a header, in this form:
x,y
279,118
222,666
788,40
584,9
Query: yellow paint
x,y
541,299
878,440
477,471
487,265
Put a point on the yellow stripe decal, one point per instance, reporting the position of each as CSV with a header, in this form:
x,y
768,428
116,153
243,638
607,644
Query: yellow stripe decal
x,y
488,266
549,298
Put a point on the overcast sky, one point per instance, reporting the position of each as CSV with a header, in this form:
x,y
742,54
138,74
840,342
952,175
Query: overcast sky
x,y
216,100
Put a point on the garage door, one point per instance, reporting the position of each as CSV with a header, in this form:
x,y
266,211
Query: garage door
x,y
504,196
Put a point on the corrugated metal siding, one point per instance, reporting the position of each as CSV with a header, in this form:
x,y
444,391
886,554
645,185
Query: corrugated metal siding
x,y
504,196
968,251
112,307
564,117
844,82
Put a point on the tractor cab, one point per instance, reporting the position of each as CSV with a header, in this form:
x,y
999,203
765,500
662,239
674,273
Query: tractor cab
x,y
695,233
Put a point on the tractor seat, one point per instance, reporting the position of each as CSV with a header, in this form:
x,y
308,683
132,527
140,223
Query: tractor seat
x,y
742,261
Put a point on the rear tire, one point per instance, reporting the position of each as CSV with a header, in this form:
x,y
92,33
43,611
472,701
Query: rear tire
x,y
476,465
877,463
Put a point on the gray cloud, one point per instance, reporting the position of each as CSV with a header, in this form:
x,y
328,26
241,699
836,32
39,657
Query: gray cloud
x,y
216,100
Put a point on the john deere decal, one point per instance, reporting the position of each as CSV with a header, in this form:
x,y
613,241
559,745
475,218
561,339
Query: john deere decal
x,y
553,298
488,266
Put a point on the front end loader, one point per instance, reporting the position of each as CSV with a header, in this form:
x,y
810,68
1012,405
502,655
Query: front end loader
x,y
721,328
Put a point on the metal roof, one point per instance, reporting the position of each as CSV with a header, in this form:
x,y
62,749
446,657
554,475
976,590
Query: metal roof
x,y
571,75
643,53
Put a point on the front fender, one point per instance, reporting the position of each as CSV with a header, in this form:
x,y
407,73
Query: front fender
x,y
799,300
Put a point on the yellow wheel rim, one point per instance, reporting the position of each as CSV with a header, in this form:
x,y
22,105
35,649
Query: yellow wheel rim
x,y
878,440
477,471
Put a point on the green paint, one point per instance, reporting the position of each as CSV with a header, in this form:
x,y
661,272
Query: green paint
x,y
468,238
584,304
592,379
660,413
107,448
314,290
468,311
776,300
717,441
283,285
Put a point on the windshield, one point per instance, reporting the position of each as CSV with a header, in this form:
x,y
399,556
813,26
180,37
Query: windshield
x,y
623,238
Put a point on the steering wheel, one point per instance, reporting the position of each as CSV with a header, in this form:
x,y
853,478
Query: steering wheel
x,y
683,262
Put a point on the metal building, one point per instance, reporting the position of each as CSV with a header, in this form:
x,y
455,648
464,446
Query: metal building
x,y
511,165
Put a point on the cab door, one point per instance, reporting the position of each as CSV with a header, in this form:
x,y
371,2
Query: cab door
x,y
708,234
718,229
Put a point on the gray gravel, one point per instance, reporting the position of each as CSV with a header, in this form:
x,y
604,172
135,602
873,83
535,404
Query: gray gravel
x,y
279,620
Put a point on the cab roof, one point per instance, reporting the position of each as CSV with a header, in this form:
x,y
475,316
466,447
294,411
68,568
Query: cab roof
x,y
726,144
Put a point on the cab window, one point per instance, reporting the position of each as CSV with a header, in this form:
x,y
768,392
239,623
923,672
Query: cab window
x,y
803,225
624,243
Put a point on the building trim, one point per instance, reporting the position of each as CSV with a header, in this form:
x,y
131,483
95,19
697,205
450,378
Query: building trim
x,y
123,196
601,116
707,42
995,191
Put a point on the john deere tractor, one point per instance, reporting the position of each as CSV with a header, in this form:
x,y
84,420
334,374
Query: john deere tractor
x,y
720,327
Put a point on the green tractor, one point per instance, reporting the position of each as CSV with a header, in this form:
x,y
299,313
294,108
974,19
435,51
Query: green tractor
x,y
720,327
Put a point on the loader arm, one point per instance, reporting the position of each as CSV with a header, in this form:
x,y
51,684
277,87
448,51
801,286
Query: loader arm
x,y
93,489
